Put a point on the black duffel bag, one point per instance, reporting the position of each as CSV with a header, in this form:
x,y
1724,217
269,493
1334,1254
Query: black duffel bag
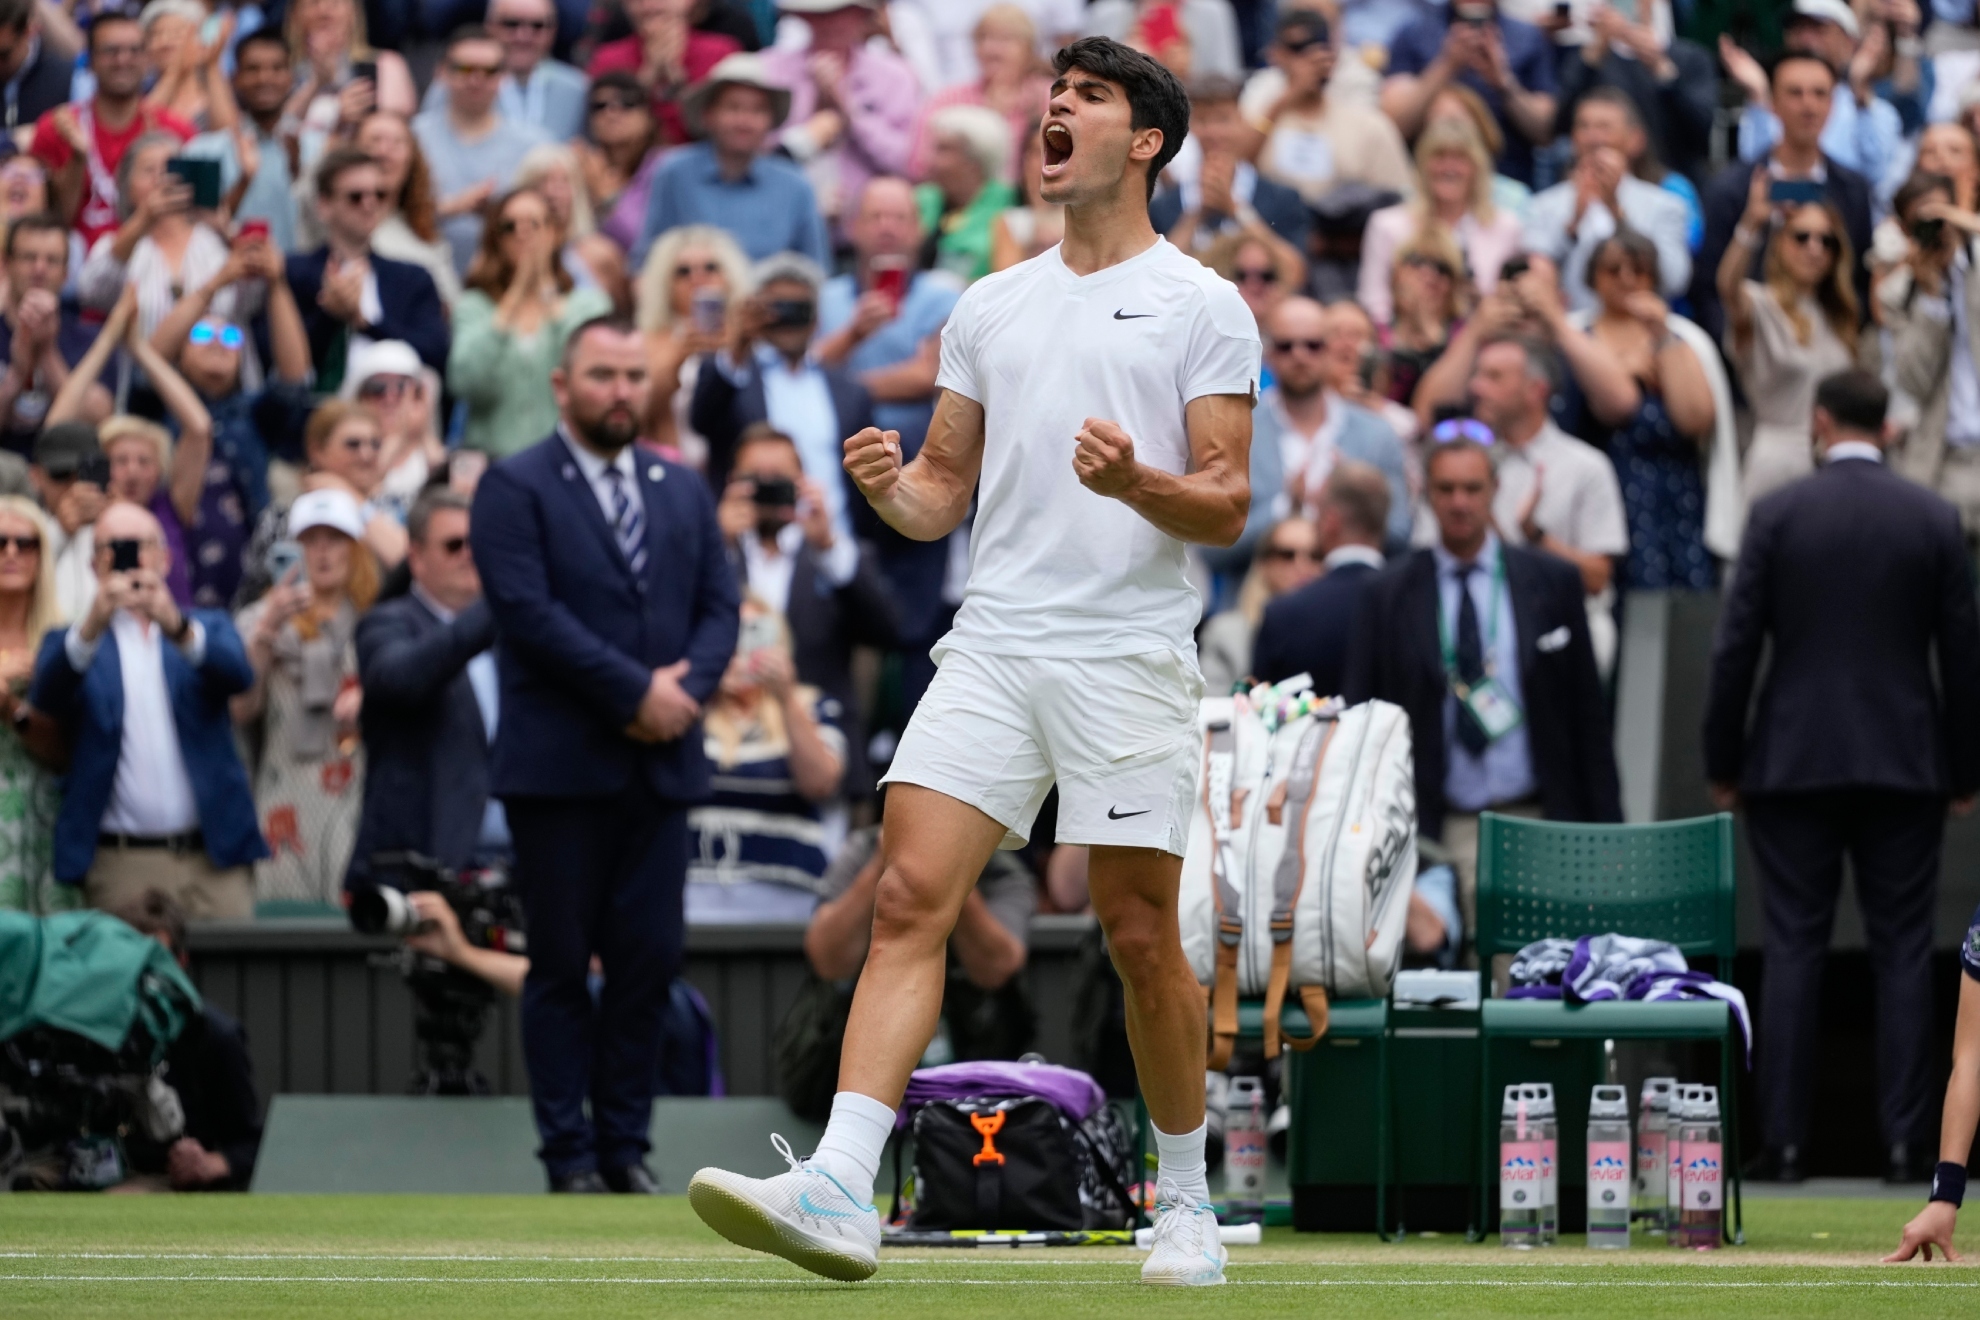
x,y
1018,1163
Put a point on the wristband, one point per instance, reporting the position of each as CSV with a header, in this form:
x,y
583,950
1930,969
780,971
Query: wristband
x,y
1948,1183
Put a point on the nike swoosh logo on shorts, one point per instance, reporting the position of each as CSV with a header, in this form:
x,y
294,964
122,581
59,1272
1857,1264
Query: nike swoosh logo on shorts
x,y
1124,315
1115,813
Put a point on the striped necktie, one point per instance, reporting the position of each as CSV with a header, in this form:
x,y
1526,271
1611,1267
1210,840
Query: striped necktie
x,y
628,522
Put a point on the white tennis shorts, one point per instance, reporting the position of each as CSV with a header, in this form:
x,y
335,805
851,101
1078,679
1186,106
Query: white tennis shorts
x,y
1117,734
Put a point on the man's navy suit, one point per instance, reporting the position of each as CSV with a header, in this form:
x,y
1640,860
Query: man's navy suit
x,y
599,820
409,304
426,747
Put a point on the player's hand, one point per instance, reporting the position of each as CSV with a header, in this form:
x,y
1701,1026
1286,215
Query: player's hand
x,y
1933,1227
873,461
1103,458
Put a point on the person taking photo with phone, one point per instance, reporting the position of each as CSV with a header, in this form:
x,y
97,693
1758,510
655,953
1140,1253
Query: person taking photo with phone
x,y
692,278
156,796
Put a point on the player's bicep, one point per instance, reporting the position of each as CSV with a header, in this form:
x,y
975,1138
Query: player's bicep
x,y
1219,427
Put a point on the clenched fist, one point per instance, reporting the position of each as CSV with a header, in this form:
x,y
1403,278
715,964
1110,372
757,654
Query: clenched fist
x,y
1103,458
873,461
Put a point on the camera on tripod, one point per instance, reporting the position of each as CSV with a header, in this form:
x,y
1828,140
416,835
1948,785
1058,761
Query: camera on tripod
x,y
450,1006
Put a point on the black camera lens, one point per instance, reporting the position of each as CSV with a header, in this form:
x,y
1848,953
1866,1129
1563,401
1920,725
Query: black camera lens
x,y
382,910
777,492
789,313
1927,233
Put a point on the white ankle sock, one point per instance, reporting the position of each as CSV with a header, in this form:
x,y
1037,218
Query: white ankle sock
x,y
1181,1161
857,1134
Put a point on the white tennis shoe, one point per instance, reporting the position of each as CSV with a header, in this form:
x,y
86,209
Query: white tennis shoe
x,y
806,1216
1187,1251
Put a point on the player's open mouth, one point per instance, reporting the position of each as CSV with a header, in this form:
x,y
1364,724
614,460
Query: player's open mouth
x,y
1058,148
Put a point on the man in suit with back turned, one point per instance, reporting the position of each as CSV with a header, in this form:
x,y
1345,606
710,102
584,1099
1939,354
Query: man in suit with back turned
x,y
616,608
1861,581
427,663
1307,631
1486,646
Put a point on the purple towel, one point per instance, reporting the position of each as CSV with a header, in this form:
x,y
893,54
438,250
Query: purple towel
x,y
1075,1094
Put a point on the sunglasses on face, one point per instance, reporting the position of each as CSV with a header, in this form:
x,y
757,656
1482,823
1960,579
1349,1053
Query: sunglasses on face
x,y
384,387
523,24
1804,237
1429,264
601,104
687,270
227,336
453,545
1462,428
1310,345
1265,276
514,225
359,196
476,70
1280,554
20,545
1301,47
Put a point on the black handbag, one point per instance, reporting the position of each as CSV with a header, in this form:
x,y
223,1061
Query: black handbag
x,y
1017,1163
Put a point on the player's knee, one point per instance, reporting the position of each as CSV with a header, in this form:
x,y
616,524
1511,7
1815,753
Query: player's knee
x,y
907,908
1141,943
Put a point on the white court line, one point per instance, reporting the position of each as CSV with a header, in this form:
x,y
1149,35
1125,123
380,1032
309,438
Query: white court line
x,y
987,1283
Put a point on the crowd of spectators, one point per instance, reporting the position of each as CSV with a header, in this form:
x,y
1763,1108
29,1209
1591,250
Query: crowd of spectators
x,y
1545,295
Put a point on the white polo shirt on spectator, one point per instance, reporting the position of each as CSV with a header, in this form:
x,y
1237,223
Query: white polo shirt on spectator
x,y
1580,504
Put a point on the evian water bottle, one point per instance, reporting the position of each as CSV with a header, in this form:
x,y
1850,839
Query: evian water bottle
x,y
1244,1149
1608,1167
1541,1098
1652,1152
1674,1163
1703,1215
1519,1172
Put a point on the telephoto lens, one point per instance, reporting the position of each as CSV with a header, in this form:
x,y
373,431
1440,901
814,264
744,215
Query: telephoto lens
x,y
382,910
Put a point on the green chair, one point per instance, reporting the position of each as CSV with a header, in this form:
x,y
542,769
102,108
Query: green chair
x,y
1547,880
1347,1019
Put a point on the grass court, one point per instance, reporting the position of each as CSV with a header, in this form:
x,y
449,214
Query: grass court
x,y
489,1257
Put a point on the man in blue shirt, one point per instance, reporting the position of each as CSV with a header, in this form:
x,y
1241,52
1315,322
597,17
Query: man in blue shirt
x,y
536,90
1864,131
1508,63
889,334
727,179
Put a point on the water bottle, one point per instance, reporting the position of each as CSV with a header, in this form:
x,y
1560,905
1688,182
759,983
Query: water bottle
x,y
1244,1149
1608,1167
1652,1153
1674,1162
1704,1211
1550,1162
1519,1171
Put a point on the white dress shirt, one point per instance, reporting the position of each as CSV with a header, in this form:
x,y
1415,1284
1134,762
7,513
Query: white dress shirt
x,y
592,467
152,794
769,568
1858,449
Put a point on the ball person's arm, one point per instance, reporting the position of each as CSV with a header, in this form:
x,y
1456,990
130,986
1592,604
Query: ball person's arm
x,y
1933,1226
1206,505
928,498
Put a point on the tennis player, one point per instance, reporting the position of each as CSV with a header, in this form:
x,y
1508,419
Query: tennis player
x,y
1096,402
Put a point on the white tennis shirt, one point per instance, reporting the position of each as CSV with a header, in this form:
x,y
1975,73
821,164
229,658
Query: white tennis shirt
x,y
1056,570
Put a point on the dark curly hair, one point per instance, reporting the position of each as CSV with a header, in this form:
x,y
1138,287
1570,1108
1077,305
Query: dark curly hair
x,y
1156,98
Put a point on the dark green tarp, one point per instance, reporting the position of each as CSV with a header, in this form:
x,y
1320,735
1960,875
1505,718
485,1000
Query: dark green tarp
x,y
90,974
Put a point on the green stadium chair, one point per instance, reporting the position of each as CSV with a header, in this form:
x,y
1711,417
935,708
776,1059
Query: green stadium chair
x,y
1350,1019
1550,880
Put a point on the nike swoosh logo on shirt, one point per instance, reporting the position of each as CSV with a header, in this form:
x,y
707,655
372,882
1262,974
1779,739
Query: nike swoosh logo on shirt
x,y
1124,315
1115,813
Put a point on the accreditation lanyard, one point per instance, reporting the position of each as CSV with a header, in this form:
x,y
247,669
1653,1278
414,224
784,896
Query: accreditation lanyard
x,y
1458,685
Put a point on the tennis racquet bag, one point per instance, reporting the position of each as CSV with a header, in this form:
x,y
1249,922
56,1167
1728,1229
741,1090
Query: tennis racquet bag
x,y
1302,851
1018,1162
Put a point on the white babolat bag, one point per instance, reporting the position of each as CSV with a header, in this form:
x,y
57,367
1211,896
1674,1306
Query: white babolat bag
x,y
1302,852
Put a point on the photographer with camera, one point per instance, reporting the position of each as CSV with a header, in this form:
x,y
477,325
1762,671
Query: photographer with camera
x,y
828,589
1930,302
768,373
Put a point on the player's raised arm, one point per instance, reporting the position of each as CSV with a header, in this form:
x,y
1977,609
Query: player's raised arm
x,y
1207,505
928,498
